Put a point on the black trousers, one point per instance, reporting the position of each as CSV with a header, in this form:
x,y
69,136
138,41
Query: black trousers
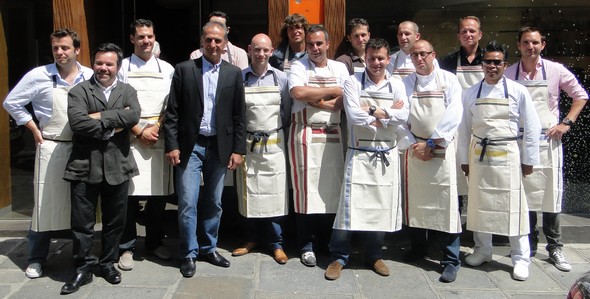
x,y
154,214
84,206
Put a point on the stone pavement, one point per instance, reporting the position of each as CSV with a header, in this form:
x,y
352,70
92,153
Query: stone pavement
x,y
256,275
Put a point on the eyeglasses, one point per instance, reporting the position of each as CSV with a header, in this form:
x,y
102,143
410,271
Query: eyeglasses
x,y
421,54
493,61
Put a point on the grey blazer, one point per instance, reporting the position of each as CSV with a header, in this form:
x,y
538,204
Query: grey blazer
x,y
97,154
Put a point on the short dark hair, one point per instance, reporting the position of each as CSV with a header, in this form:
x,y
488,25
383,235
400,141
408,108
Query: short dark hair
x,y
376,44
140,23
221,14
293,20
63,32
109,47
494,46
525,29
354,23
317,28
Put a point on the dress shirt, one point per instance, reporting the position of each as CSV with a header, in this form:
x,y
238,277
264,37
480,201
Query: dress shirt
x,y
558,78
303,68
36,87
352,92
210,78
107,90
449,123
521,108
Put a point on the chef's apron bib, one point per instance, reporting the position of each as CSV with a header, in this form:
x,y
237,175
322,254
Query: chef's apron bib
x,y
401,73
52,193
544,187
370,196
154,171
497,203
431,186
316,155
262,179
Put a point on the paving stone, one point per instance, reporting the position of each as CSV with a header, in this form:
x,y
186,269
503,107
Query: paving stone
x,y
471,294
213,287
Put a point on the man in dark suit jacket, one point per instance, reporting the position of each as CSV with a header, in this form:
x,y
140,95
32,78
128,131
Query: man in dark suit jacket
x,y
205,132
101,112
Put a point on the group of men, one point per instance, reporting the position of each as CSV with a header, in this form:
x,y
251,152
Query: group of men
x,y
390,159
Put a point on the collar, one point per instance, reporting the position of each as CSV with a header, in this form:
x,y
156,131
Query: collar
x,y
108,88
249,70
207,66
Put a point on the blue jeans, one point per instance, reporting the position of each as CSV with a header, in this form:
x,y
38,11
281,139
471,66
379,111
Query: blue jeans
x,y
340,244
313,228
204,158
265,230
449,244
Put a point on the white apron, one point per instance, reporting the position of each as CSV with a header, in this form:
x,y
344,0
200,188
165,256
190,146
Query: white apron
x,y
401,73
262,179
431,186
497,203
544,187
468,75
155,176
370,196
316,156
52,193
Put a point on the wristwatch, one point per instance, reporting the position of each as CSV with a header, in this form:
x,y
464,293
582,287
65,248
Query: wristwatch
x,y
430,143
568,122
372,110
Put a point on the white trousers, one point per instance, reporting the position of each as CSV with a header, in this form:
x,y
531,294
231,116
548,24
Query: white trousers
x,y
519,245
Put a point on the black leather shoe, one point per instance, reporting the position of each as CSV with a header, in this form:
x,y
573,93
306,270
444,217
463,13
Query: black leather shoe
x,y
76,282
187,267
216,259
111,275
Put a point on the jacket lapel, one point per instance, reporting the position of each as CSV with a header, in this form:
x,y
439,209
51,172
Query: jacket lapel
x,y
98,95
198,73
116,95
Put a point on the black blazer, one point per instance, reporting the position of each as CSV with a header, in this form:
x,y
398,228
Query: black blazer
x,y
96,154
185,110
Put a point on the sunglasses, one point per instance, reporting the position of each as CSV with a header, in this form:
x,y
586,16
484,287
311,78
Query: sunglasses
x,y
493,61
420,54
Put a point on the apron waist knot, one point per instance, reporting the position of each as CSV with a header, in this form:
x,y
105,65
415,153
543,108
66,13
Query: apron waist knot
x,y
260,136
486,141
377,153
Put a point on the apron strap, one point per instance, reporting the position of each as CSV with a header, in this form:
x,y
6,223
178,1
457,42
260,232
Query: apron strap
x,y
363,78
157,62
486,141
542,70
481,84
376,153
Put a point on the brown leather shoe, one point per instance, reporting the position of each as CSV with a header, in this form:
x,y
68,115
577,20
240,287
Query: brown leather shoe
x,y
280,256
245,249
380,268
333,270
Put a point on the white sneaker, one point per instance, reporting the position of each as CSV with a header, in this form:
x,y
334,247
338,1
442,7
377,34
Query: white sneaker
x,y
126,261
520,272
34,270
476,259
558,259
308,259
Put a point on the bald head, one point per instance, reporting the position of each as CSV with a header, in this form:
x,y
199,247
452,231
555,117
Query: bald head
x,y
407,35
423,56
260,50
423,44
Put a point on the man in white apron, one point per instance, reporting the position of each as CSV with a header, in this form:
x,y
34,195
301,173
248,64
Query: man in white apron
x,y
262,179
490,155
466,64
232,54
544,188
46,88
315,141
430,199
357,35
400,63
375,105
292,46
151,77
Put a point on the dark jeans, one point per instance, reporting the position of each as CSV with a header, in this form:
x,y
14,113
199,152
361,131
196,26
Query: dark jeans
x,y
265,231
313,228
155,208
113,208
551,229
448,243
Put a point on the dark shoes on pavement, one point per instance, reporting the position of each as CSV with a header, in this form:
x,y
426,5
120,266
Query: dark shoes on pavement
x,y
449,273
216,259
76,282
111,275
187,267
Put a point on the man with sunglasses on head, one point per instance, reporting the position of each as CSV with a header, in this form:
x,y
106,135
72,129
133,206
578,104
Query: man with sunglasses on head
x,y
430,198
544,188
490,155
